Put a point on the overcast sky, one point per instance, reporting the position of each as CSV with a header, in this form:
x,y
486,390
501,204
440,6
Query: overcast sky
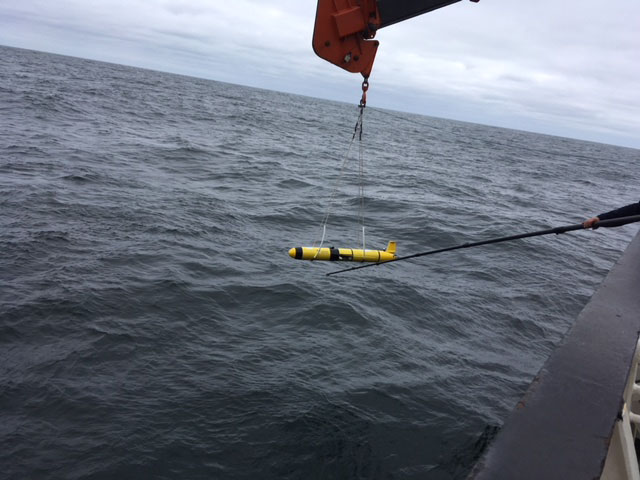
x,y
563,67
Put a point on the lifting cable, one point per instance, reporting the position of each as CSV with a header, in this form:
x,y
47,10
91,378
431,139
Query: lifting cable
x,y
357,132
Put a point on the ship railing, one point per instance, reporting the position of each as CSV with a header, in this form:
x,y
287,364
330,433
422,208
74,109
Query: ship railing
x,y
622,458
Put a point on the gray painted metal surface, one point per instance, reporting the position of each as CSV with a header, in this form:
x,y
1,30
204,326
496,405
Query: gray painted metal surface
x,y
562,427
394,11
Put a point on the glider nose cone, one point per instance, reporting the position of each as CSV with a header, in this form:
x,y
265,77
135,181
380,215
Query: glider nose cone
x,y
292,253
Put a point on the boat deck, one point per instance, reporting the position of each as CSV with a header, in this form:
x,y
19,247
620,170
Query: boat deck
x,y
563,426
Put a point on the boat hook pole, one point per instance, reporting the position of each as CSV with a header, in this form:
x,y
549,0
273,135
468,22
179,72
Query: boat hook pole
x,y
615,222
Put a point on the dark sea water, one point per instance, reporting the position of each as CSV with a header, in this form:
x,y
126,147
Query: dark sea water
x,y
152,324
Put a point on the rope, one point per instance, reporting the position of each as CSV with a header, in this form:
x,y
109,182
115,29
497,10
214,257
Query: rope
x,y
334,190
357,130
363,104
361,178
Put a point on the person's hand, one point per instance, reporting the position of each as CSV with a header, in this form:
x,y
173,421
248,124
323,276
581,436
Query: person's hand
x,y
590,223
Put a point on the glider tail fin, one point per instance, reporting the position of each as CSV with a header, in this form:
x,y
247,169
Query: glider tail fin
x,y
391,248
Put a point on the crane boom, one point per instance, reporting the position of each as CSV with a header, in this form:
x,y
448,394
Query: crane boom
x,y
344,29
394,11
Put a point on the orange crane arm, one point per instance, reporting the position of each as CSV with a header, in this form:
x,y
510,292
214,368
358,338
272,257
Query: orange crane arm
x,y
344,29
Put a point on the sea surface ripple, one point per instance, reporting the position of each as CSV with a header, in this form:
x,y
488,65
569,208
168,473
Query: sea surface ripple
x,y
152,324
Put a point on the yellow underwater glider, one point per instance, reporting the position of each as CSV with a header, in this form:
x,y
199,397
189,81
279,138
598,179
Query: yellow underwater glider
x,y
344,254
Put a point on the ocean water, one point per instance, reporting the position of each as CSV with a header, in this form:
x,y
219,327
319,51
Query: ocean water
x,y
152,324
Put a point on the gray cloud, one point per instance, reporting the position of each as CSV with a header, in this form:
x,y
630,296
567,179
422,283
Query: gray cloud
x,y
565,68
